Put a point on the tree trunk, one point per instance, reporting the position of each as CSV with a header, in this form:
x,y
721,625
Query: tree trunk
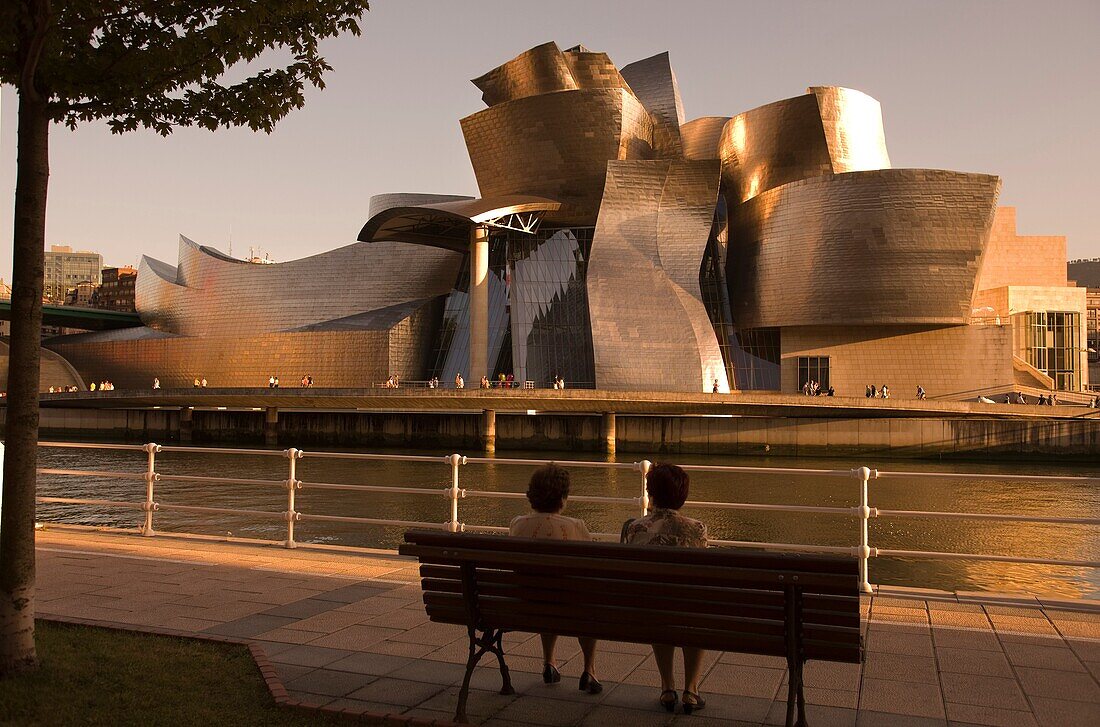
x,y
17,650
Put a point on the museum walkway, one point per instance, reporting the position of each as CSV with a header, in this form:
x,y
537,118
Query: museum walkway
x,y
347,630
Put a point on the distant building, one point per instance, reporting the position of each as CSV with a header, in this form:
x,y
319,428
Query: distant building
x,y
1092,335
81,294
117,290
5,290
65,269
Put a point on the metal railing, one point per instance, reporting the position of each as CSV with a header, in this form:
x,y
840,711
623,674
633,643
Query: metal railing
x,y
454,493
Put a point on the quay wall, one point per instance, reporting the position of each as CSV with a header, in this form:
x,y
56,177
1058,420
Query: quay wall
x,y
1063,439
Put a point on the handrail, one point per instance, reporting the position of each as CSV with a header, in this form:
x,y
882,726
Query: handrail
x,y
453,493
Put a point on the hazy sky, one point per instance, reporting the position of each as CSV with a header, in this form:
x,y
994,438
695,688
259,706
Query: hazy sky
x,y
1002,87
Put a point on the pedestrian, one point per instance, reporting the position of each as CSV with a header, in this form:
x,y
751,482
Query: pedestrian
x,y
714,388
832,391
459,383
309,381
195,383
276,382
885,391
874,392
920,393
1042,400
203,383
561,383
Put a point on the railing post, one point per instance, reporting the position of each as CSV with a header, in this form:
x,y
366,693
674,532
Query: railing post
x,y
865,512
643,467
454,492
150,505
292,485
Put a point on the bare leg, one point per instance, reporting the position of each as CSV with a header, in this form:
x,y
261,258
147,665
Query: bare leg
x,y
549,641
588,648
693,668
664,655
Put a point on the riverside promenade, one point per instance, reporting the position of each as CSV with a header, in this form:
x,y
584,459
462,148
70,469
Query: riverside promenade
x,y
346,630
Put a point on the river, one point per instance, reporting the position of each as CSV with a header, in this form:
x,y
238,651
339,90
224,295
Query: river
x,y
956,493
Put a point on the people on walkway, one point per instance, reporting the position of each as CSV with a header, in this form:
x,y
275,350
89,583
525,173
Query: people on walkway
x,y
548,492
885,391
202,383
667,486
484,383
874,392
921,395
459,383
271,381
1042,400
714,388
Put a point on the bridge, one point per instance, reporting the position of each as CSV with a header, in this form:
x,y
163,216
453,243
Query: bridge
x,y
86,319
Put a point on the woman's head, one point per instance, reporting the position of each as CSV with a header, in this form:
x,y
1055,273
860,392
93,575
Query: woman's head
x,y
667,486
548,489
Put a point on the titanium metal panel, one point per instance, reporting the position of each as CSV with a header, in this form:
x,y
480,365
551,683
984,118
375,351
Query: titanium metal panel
x,y
593,70
701,136
654,83
852,121
889,246
650,329
215,296
539,70
827,130
557,146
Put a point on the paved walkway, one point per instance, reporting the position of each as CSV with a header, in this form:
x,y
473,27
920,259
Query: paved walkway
x,y
348,629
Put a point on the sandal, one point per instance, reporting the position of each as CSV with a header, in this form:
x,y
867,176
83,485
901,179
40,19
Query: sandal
x,y
669,704
696,703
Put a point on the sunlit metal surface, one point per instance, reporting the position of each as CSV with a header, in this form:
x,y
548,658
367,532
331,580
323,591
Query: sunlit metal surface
x,y
654,83
701,136
827,130
557,146
649,326
878,247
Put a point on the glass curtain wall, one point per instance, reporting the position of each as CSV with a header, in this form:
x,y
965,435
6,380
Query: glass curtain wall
x,y
1052,344
538,311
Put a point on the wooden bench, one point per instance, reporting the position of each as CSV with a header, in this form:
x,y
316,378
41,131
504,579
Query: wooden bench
x,y
752,601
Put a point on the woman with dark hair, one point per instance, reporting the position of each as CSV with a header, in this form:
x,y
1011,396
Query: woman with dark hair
x,y
667,486
547,492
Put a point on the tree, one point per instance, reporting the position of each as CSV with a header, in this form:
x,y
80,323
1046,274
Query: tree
x,y
154,64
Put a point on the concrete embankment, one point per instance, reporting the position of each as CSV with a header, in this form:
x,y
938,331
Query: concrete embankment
x,y
1076,439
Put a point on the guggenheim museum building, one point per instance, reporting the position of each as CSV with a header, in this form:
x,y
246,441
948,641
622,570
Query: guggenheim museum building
x,y
617,245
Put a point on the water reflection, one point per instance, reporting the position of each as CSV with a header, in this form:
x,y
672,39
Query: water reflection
x,y
1070,542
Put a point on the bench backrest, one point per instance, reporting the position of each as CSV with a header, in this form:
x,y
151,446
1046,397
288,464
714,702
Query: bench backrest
x,y
729,599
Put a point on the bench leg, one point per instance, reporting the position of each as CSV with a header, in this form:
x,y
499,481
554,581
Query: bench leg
x,y
795,696
479,644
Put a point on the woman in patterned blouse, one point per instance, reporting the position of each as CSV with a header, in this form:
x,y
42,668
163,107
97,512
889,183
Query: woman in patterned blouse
x,y
547,493
667,485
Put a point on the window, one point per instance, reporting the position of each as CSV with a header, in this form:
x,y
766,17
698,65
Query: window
x,y
1052,344
813,368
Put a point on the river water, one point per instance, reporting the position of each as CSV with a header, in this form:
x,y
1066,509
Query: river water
x,y
956,493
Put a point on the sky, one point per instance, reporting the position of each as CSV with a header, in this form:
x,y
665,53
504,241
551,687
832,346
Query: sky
x,y
997,86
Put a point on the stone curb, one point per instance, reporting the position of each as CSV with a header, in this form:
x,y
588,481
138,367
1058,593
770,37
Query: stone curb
x,y
267,671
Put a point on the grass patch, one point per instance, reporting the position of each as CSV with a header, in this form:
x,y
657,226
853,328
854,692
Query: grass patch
x,y
93,676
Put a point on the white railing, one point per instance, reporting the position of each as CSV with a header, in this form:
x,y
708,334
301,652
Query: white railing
x,y
454,493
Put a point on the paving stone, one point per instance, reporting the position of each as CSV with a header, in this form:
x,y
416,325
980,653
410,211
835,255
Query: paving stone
x,y
397,691
432,672
312,656
974,715
816,715
328,682
535,710
1065,713
1042,657
968,661
300,609
355,637
965,639
985,691
745,681
249,626
603,715
364,662
479,703
1077,686
915,644
900,667
354,592
870,718
908,698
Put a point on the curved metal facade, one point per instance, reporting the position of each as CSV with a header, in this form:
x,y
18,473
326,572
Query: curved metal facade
x,y
671,253
650,329
889,246
557,145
